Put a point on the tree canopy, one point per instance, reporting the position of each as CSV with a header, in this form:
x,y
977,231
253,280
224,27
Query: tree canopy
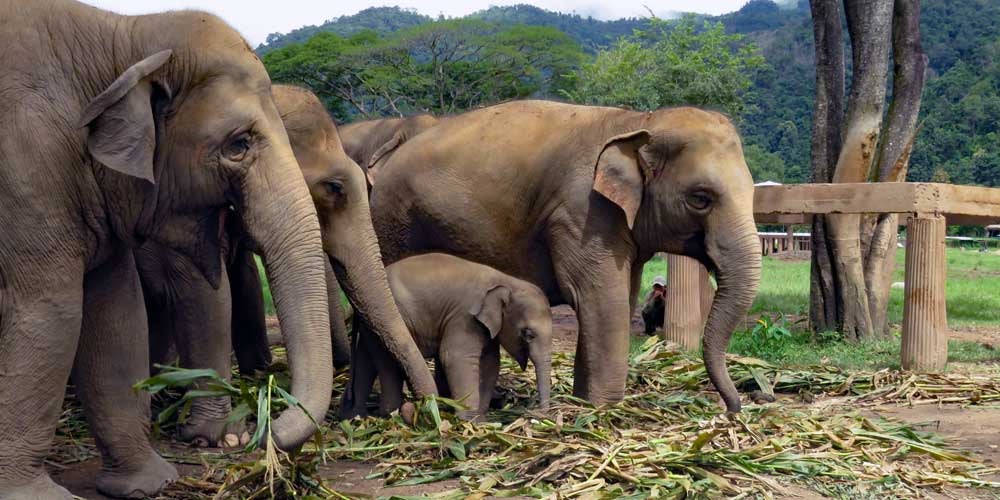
x,y
670,64
441,67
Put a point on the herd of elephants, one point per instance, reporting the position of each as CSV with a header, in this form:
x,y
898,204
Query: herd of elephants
x,y
144,160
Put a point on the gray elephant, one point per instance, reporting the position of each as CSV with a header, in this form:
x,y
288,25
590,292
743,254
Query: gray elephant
x,y
118,130
460,313
575,199
370,141
203,322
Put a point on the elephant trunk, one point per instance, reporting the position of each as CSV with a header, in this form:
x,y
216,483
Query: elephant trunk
x,y
357,262
735,252
281,219
543,369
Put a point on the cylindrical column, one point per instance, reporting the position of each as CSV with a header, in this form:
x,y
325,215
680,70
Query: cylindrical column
x,y
707,293
925,322
682,321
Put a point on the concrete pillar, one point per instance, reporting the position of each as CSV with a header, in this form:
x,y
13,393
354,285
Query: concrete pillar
x,y
682,321
925,322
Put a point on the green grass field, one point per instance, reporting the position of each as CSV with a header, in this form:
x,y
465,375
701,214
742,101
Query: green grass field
x,y
972,290
973,299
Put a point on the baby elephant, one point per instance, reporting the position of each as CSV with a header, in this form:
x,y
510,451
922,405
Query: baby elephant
x,y
459,313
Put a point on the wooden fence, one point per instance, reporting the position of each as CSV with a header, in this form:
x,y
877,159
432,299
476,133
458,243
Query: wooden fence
x,y
925,208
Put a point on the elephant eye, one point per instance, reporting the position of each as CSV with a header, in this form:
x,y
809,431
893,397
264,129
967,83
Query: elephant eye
x,y
699,200
335,188
237,148
527,334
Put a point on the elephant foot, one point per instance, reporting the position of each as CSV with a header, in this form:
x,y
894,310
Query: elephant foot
x,y
141,481
41,486
214,433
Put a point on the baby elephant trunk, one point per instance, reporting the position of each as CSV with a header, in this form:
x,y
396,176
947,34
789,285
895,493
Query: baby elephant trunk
x,y
543,368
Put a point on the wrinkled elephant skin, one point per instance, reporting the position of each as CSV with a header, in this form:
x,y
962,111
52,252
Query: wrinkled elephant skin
x,y
575,199
117,130
460,313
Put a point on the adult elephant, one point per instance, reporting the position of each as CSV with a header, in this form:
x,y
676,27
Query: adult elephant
x,y
576,199
368,142
200,320
119,129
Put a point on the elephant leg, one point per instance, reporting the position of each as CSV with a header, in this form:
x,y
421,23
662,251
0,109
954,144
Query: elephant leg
x,y
338,329
162,345
248,324
597,287
362,375
635,284
390,380
112,356
38,338
202,331
440,379
489,371
460,357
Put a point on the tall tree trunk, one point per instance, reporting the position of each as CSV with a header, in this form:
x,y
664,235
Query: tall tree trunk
x,y
853,256
826,140
894,152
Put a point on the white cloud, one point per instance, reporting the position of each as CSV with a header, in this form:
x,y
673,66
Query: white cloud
x,y
255,19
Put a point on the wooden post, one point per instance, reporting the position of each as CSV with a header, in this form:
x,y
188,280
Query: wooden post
x,y
790,238
682,321
925,322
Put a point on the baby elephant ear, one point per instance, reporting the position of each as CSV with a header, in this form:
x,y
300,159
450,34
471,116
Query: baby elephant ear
x,y
618,175
122,130
489,310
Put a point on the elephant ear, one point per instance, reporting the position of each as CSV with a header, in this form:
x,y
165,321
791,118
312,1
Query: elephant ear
x,y
122,129
488,311
394,142
618,175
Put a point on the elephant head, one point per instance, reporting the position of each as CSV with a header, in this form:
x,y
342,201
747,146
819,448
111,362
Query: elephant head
x,y
518,315
192,126
339,191
681,180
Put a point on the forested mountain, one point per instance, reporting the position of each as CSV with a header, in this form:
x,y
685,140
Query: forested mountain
x,y
960,134
378,19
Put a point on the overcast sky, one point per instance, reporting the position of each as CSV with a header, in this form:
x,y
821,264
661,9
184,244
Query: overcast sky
x,y
258,18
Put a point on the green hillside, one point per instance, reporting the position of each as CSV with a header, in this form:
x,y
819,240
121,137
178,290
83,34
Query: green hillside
x,y
960,135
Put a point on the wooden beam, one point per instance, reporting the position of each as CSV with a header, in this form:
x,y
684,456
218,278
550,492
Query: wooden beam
x,y
761,218
879,197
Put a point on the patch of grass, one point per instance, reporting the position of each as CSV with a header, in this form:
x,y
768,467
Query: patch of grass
x,y
972,290
801,348
268,300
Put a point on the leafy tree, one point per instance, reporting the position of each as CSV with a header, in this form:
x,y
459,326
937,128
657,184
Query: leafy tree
x,y
941,175
442,67
325,64
764,165
673,63
457,65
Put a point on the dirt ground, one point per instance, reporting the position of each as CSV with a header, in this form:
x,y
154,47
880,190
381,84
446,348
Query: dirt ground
x,y
976,430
